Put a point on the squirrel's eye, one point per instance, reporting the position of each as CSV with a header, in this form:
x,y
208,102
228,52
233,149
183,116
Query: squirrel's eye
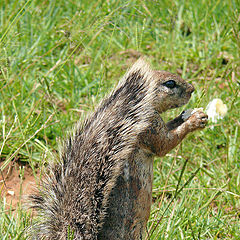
x,y
170,84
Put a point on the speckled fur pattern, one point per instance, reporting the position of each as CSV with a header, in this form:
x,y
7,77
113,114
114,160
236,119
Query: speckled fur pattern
x,y
102,187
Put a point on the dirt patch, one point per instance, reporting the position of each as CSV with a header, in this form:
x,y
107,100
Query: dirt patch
x,y
16,183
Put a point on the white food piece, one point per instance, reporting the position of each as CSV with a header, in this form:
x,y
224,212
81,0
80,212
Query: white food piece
x,y
216,109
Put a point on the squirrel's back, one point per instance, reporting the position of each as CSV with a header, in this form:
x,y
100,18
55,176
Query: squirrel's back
x,y
74,195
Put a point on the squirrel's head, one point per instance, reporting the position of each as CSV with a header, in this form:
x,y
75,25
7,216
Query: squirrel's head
x,y
172,91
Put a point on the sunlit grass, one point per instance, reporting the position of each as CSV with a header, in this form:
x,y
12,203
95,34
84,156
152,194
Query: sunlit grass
x,y
59,58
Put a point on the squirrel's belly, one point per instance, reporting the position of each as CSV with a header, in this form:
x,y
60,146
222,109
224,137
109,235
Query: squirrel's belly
x,y
130,200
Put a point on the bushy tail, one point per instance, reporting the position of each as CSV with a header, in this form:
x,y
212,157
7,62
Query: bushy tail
x,y
73,197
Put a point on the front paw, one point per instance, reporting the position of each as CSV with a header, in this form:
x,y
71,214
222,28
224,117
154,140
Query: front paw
x,y
197,120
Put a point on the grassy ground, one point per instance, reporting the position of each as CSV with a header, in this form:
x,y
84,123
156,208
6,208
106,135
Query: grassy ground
x,y
59,58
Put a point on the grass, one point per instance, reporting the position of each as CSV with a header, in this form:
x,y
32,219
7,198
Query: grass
x,y
59,58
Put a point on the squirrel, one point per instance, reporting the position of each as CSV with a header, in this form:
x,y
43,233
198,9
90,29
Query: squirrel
x,y
102,186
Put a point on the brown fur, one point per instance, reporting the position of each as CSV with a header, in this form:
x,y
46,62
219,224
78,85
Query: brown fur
x,y
102,188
